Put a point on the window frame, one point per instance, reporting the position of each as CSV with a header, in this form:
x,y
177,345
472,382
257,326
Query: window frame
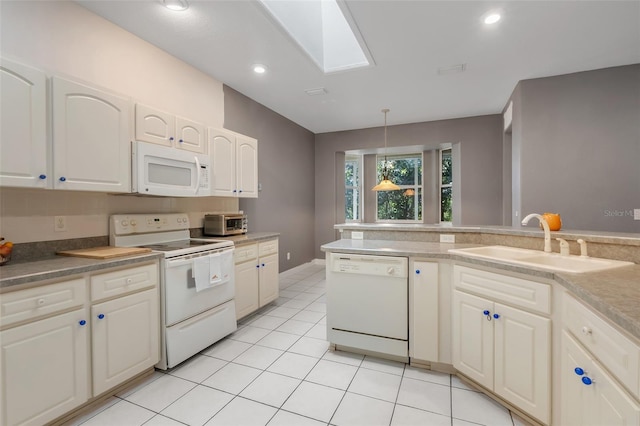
x,y
418,187
442,185
358,159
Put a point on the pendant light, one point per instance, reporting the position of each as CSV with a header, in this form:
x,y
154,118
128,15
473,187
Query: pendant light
x,y
385,184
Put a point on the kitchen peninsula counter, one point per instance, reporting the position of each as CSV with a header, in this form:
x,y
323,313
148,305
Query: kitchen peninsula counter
x,y
614,293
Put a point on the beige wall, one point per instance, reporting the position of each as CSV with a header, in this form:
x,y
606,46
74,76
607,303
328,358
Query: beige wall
x,y
64,38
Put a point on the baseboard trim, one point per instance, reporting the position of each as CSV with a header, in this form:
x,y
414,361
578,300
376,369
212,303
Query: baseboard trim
x,y
295,269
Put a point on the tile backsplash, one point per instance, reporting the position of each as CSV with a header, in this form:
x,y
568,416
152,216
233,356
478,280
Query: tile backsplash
x,y
27,215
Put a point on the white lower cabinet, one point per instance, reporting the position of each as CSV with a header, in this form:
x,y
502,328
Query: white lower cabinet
x,y
503,348
44,368
424,311
589,395
125,338
257,276
46,364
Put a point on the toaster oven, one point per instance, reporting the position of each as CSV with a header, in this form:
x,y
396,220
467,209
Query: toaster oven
x,y
222,225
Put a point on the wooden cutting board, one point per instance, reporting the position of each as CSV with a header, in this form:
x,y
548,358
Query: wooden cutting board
x,y
104,252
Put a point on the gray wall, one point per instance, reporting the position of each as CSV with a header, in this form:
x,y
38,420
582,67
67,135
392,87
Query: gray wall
x,y
285,171
579,137
480,150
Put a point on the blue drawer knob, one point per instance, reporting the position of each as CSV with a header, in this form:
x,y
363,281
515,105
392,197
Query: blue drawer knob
x,y
579,371
418,271
180,141
587,381
257,266
42,176
486,312
82,322
496,316
262,265
171,138
62,178
100,316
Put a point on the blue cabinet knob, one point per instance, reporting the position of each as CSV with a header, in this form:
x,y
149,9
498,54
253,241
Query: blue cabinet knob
x,y
486,312
240,190
171,138
586,380
100,316
62,178
82,322
257,266
42,176
496,316
262,265
235,190
418,271
180,141
579,371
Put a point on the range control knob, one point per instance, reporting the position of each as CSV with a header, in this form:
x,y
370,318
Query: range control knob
x,y
134,223
179,220
125,223
391,271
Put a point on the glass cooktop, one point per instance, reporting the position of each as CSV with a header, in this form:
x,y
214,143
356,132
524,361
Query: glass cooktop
x,y
179,245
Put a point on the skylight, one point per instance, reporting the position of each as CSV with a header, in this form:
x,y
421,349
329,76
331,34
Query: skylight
x,y
324,30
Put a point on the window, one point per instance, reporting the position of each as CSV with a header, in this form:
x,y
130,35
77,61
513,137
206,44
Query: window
x,y
404,204
445,185
353,190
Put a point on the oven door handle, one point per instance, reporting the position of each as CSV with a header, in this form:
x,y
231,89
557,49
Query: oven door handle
x,y
176,263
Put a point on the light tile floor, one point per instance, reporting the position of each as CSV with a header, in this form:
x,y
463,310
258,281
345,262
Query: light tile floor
x,y
276,369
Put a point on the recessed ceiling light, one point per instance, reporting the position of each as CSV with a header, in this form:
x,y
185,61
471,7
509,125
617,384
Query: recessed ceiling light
x,y
452,69
492,18
316,92
259,69
177,5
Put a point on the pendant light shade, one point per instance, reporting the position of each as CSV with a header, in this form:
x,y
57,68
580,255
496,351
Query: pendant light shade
x,y
385,184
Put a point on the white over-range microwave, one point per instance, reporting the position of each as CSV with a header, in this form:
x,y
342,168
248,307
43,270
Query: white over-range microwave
x,y
170,172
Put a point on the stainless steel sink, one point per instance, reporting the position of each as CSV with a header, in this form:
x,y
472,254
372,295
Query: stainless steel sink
x,y
535,258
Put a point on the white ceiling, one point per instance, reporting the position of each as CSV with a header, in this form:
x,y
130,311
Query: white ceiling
x,y
408,40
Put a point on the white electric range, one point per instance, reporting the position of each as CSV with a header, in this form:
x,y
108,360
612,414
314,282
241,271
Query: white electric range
x,y
197,283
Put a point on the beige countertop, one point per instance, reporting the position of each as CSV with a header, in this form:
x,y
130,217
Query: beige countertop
x,y
14,275
614,293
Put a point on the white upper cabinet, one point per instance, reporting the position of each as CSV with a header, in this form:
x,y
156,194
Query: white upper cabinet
x,y
235,164
162,128
23,127
91,145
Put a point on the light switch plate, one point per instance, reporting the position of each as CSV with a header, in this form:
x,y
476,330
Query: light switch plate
x,y
357,235
447,238
636,214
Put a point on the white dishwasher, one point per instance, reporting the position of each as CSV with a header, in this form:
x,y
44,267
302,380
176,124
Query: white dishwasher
x,y
367,303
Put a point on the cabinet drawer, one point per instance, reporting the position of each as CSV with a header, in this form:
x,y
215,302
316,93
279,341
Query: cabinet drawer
x,y
35,302
123,281
503,288
616,352
245,253
268,247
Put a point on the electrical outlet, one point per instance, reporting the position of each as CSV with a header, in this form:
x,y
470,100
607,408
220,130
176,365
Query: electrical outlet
x,y
357,235
288,256
636,214
60,224
447,238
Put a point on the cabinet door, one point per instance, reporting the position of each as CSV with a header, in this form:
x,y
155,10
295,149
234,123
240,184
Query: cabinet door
x,y
190,136
23,127
222,147
602,402
247,167
91,146
472,351
154,126
523,360
423,312
125,339
269,279
247,292
44,369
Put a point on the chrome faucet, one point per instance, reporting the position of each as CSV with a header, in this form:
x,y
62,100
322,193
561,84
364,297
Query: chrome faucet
x,y
545,226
